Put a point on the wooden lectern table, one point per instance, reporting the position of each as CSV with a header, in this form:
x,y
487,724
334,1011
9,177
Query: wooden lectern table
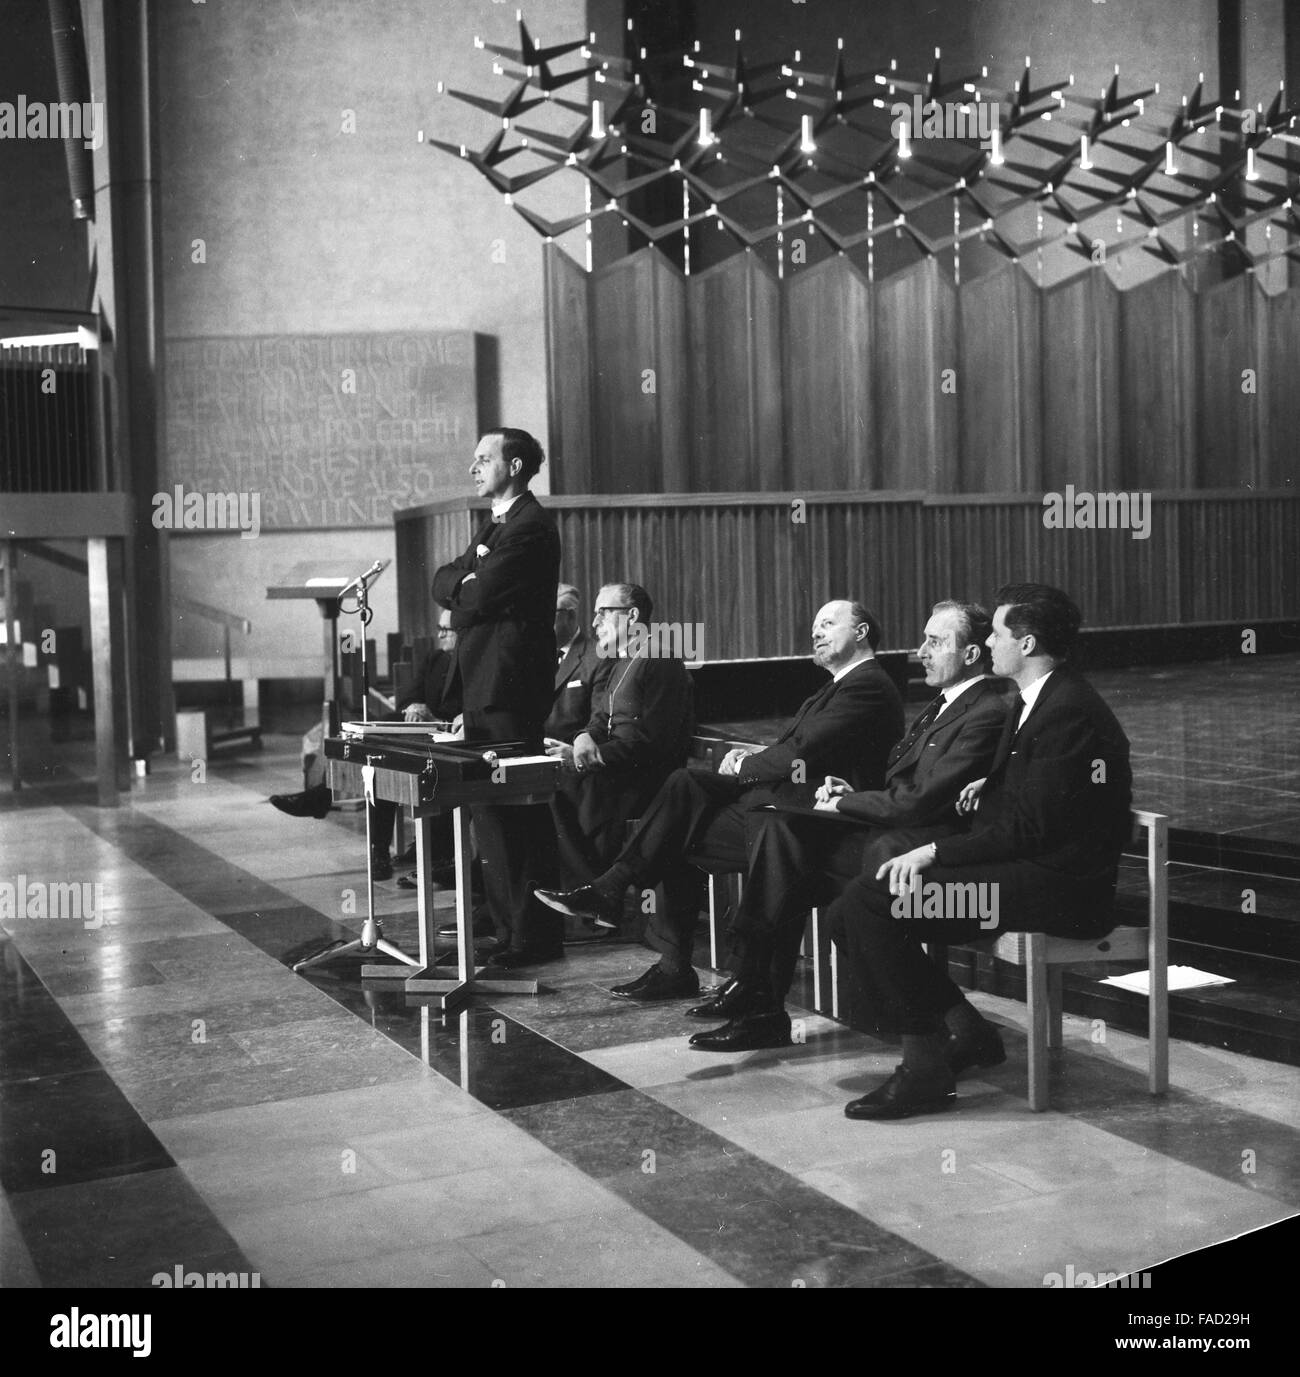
x,y
431,777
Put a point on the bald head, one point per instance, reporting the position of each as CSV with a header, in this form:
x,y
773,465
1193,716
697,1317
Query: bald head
x,y
843,633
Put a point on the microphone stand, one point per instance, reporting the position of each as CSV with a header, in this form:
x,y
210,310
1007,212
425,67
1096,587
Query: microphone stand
x,y
372,930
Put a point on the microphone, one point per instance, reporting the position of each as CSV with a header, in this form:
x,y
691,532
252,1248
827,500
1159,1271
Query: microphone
x,y
376,568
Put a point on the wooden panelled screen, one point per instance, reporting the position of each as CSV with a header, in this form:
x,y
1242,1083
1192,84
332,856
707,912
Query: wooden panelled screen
x,y
731,380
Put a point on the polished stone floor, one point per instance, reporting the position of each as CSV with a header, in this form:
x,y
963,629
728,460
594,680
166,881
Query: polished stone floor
x,y
172,1094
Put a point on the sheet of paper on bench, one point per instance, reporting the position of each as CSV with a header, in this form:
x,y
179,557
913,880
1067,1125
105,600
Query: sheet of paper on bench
x,y
1180,978
413,729
336,582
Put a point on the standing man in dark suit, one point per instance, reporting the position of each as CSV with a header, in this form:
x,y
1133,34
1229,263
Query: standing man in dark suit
x,y
501,593
1042,856
803,858
849,724
638,733
577,660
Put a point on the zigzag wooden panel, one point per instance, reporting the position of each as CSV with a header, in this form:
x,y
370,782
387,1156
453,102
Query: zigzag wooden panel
x,y
734,342
640,373
1279,459
915,343
997,395
568,373
1157,374
1080,383
1227,418
830,413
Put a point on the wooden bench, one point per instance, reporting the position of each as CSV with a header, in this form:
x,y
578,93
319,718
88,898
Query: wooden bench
x,y
1043,957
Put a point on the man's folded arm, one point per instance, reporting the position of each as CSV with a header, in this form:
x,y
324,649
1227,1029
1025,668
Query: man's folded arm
x,y
498,578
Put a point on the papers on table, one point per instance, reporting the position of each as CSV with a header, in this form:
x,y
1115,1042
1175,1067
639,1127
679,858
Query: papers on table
x,y
422,731
1180,978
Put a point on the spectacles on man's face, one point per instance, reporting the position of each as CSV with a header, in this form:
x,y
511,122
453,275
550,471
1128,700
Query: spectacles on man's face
x,y
609,611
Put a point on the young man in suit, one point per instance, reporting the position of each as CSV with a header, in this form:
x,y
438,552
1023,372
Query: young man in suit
x,y
804,857
849,725
638,732
501,594
1042,855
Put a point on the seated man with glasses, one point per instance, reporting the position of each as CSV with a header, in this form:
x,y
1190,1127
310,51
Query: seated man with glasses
x,y
846,729
638,733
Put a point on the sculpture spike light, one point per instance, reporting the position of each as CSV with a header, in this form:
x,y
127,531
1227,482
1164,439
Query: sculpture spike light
x,y
719,152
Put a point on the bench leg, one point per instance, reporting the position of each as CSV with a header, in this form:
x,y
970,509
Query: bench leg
x,y
1055,1005
1037,999
713,921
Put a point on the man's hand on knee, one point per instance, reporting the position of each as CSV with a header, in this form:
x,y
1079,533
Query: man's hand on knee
x,y
903,873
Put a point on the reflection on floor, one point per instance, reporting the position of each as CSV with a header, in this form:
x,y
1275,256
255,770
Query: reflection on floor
x,y
171,1094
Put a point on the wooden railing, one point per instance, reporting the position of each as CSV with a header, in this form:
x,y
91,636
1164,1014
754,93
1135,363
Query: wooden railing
x,y
752,568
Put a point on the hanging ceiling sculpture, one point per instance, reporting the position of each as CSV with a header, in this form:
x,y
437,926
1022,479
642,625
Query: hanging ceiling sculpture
x,y
766,150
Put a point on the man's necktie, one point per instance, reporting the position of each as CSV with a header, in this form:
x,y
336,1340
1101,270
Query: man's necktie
x,y
922,724
1009,731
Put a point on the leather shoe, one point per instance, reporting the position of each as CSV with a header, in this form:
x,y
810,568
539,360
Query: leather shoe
x,y
728,1001
906,1093
658,983
584,902
746,1034
982,1048
311,803
512,957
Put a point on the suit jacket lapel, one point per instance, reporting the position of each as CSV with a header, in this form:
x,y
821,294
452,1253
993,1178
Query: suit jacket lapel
x,y
807,706
570,662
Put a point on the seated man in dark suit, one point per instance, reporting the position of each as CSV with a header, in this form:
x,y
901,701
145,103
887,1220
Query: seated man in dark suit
x,y
1042,855
577,661
848,725
638,733
803,858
